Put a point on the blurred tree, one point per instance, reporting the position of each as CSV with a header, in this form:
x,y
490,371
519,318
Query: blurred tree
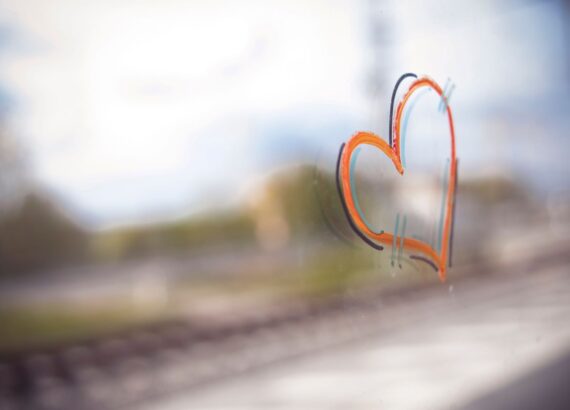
x,y
215,229
37,236
34,234
294,191
285,209
13,182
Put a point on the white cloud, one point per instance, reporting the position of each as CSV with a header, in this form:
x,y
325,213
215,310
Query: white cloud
x,y
123,90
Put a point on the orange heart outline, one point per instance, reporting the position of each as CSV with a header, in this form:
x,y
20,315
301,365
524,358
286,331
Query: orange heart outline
x,y
369,138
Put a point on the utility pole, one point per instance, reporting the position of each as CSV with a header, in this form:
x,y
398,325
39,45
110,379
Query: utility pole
x,y
377,87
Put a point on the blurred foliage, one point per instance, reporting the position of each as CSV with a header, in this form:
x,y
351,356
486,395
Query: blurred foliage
x,y
13,181
292,206
30,327
37,235
288,195
336,270
200,231
295,191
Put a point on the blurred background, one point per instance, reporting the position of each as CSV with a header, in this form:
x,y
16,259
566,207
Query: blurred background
x,y
168,197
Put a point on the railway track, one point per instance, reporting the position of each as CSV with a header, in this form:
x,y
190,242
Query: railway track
x,y
132,367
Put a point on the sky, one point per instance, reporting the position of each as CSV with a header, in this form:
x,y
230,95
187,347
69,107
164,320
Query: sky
x,y
132,109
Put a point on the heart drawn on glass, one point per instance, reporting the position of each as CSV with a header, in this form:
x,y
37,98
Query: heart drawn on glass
x,y
416,248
